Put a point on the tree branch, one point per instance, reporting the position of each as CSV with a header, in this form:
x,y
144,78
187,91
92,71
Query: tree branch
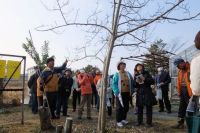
x,y
153,20
133,44
73,24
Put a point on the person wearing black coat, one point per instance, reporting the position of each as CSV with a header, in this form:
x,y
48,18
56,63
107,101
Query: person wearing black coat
x,y
144,96
64,90
32,84
163,82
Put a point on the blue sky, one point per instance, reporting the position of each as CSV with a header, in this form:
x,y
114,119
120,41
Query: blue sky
x,y
17,17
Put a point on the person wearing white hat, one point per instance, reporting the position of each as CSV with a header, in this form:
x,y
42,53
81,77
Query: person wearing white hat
x,y
163,83
76,91
85,81
122,87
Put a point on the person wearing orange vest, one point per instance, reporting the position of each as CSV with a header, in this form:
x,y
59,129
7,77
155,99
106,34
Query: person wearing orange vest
x,y
96,80
97,77
183,88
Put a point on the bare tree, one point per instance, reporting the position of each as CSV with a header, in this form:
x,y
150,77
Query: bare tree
x,y
127,24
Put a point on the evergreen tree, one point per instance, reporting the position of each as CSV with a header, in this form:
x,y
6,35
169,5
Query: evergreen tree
x,y
31,50
156,56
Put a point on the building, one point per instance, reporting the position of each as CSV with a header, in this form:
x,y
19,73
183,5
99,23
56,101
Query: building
x,y
187,55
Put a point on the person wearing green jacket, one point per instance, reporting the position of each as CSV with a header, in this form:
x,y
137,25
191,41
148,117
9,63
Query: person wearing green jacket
x,y
122,87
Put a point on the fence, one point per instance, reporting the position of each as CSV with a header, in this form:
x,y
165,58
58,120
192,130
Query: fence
x,y
187,55
15,89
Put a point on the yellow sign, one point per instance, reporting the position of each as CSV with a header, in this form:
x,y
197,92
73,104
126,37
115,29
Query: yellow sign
x,y
11,66
2,68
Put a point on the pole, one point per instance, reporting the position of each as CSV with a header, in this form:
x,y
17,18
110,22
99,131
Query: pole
x,y
22,122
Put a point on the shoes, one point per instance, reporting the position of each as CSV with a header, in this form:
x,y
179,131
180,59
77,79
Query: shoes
x,y
161,110
35,113
169,111
149,125
138,124
178,126
66,115
89,118
55,117
119,124
124,122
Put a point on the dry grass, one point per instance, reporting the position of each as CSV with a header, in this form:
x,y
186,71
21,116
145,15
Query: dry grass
x,y
14,96
10,123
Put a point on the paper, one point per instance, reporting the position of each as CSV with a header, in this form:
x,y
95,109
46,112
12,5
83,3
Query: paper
x,y
159,94
108,102
11,66
2,68
120,100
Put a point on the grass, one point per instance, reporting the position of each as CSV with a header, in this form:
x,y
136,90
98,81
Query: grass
x,y
10,123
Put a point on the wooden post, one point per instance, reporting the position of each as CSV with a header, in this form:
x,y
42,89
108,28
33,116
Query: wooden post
x,y
1,92
59,129
22,122
68,125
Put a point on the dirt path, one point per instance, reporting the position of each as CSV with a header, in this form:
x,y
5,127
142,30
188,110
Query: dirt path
x,y
10,123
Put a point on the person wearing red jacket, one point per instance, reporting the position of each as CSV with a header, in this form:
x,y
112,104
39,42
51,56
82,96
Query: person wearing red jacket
x,y
84,81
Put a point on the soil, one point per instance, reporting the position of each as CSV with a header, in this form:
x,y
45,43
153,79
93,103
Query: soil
x,y
10,122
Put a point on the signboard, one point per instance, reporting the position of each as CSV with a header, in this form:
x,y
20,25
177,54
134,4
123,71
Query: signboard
x,y
2,68
11,66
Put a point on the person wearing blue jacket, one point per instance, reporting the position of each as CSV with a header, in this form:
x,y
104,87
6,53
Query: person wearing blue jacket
x,y
122,86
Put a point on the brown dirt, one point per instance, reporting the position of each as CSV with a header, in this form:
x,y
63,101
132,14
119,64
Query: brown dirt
x,y
10,123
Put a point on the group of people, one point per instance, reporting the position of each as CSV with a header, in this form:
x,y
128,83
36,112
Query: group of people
x,y
124,85
57,84
142,83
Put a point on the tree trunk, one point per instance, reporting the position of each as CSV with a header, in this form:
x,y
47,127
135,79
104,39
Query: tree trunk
x,y
45,119
106,69
100,107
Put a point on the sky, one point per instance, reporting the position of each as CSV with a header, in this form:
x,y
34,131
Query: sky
x,y
17,17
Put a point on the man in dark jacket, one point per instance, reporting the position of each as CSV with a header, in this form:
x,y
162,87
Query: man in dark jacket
x,y
64,90
163,83
32,84
49,79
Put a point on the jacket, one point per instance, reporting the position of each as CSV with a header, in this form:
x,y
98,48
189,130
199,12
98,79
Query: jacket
x,y
144,94
39,92
65,85
52,76
195,75
32,82
97,77
186,77
85,83
165,78
75,83
100,85
116,84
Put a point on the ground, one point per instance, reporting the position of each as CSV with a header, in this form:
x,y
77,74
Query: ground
x,y
10,122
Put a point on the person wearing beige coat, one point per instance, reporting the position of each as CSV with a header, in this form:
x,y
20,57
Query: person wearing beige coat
x,y
195,71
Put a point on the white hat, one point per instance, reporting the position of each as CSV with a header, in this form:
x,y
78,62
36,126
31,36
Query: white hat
x,y
82,71
120,62
160,69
